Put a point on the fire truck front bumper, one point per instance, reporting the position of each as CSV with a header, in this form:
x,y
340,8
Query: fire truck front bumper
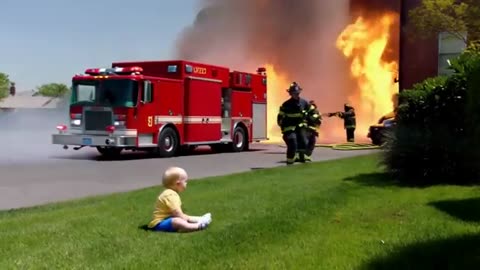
x,y
95,140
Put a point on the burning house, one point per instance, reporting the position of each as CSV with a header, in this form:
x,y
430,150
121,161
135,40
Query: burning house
x,y
339,51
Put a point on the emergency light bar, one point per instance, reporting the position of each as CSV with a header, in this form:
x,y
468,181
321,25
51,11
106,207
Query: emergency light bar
x,y
261,71
116,70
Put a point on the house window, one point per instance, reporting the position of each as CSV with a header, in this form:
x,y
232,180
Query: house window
x,y
449,47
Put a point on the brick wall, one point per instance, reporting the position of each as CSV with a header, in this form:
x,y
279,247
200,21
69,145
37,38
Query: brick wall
x,y
418,57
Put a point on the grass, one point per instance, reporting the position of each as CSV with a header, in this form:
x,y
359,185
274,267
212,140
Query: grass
x,y
342,214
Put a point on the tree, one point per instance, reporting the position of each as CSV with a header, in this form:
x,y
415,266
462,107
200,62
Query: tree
x,y
4,85
433,17
53,90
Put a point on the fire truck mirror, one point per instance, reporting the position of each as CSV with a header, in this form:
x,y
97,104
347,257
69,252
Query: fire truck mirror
x,y
147,92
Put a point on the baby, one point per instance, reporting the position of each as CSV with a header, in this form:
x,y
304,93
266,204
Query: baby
x,y
168,215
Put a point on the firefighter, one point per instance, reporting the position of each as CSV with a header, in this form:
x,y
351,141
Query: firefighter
x,y
292,120
349,121
314,120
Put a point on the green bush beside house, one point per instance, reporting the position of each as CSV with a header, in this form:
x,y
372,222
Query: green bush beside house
x,y
437,137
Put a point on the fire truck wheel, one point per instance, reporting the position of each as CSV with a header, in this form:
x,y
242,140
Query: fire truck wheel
x,y
240,140
168,142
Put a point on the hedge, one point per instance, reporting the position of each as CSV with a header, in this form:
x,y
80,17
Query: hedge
x,y
437,136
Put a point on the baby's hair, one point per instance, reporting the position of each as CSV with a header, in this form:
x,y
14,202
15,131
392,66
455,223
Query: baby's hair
x,y
171,175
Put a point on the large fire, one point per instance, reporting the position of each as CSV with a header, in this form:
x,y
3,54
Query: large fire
x,y
363,43
276,95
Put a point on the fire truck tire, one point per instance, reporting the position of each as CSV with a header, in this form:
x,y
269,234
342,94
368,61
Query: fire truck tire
x,y
240,140
168,142
110,152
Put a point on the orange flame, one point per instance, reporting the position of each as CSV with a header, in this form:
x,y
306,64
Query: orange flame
x,y
364,42
275,97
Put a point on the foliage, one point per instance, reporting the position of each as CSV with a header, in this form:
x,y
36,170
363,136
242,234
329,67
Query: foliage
x,y
4,85
432,17
53,90
471,63
467,62
438,120
279,218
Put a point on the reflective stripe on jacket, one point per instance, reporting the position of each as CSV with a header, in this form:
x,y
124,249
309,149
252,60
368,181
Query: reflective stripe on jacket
x,y
292,114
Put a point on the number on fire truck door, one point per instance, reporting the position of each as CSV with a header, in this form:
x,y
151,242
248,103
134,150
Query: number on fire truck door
x,y
150,121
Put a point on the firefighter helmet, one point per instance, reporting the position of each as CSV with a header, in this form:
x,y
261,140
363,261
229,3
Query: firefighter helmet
x,y
347,106
294,88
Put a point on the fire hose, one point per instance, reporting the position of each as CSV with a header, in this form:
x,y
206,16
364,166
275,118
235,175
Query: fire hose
x,y
350,146
347,146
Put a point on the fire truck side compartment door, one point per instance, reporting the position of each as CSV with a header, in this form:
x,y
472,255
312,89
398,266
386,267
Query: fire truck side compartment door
x,y
259,121
145,116
226,111
242,109
203,110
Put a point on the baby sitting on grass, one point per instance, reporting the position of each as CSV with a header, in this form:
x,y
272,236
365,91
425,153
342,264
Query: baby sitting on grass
x,y
168,215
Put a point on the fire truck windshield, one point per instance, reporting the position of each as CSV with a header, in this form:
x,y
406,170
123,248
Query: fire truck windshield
x,y
112,92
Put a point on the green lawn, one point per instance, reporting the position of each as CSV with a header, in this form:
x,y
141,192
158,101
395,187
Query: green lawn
x,y
342,214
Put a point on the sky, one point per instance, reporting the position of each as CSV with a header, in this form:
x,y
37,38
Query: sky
x,y
44,41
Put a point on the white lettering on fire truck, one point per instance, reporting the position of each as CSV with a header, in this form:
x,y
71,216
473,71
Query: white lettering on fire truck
x,y
202,119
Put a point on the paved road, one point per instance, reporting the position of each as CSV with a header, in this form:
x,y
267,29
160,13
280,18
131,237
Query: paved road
x,y
33,171
63,177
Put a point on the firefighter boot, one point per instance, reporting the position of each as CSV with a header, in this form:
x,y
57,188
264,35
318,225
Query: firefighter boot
x,y
308,158
300,157
291,142
290,161
350,135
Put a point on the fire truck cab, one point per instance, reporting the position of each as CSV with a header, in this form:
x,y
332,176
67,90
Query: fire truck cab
x,y
164,107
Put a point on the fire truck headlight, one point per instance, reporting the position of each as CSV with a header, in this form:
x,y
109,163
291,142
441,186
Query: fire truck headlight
x,y
76,122
119,123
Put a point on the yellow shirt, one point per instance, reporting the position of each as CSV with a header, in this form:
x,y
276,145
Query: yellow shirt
x,y
166,203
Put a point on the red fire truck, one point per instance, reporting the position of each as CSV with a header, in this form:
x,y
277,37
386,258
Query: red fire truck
x,y
164,107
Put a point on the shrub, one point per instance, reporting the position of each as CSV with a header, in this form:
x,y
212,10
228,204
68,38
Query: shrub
x,y
437,137
471,61
4,85
53,90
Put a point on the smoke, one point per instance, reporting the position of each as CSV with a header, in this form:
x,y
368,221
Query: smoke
x,y
296,36
26,134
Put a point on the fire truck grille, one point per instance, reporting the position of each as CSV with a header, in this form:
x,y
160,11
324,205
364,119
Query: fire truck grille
x,y
97,120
